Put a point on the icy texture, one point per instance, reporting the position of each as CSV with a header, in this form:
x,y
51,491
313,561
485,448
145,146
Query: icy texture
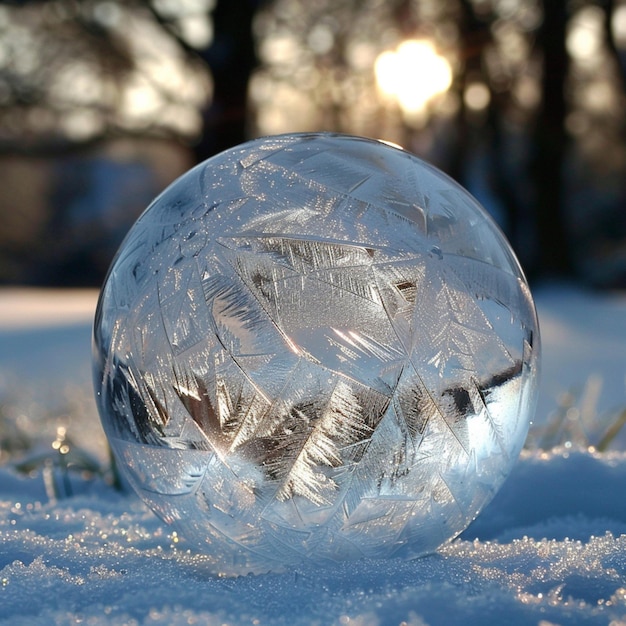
x,y
315,347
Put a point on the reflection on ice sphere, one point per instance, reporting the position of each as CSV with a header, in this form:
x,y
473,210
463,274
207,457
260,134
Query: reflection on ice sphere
x,y
315,347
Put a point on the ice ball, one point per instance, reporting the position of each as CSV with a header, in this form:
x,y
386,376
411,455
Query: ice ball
x,y
315,347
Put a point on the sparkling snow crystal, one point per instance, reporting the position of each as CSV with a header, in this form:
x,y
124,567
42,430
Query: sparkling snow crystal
x,y
315,347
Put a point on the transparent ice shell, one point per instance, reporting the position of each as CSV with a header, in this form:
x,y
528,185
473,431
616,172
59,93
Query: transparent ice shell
x,y
315,347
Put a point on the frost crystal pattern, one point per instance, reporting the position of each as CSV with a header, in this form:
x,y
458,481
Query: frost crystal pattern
x,y
315,347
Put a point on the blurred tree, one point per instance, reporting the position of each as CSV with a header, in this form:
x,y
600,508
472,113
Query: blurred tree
x,y
521,100
109,70
532,123
96,101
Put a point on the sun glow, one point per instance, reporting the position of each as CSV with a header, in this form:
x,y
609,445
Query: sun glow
x,y
414,73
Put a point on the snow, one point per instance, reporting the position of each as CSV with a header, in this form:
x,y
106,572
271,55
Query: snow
x,y
549,549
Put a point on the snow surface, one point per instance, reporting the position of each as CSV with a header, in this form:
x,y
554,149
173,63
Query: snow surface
x,y
549,549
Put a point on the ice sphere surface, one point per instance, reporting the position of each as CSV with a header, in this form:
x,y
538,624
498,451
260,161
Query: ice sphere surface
x,y
315,347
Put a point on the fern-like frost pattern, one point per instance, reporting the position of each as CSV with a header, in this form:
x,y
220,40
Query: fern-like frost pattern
x,y
315,347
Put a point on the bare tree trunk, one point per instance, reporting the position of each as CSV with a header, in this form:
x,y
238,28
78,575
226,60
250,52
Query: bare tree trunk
x,y
474,35
232,59
609,8
488,134
550,145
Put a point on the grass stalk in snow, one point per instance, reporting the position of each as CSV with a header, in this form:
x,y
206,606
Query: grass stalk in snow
x,y
576,422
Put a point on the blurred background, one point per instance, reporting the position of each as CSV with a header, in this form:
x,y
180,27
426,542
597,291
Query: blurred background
x,y
104,102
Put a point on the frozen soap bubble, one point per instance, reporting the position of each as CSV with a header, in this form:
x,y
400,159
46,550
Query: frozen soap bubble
x,y
315,347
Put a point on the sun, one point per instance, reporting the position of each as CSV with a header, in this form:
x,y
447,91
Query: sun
x,y
414,73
